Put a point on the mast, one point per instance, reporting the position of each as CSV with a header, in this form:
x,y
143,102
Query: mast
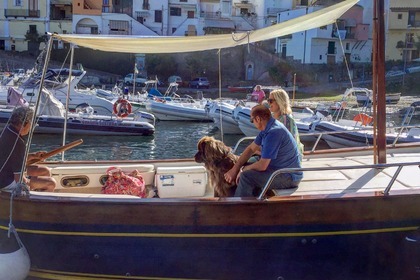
x,y
378,86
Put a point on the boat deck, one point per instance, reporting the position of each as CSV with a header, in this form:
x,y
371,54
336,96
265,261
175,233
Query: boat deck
x,y
87,180
355,180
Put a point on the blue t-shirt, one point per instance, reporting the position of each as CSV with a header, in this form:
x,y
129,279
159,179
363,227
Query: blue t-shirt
x,y
278,144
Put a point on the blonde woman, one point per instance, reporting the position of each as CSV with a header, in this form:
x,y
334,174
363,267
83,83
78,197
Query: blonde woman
x,y
279,105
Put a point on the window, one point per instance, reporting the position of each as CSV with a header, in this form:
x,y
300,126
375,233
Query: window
x,y
347,46
18,2
183,1
32,29
175,11
173,30
190,14
158,16
399,16
146,5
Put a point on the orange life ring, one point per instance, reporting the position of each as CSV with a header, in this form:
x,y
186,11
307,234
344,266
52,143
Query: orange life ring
x,y
363,118
122,108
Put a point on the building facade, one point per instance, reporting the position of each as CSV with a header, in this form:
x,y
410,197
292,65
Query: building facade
x,y
24,22
346,40
403,30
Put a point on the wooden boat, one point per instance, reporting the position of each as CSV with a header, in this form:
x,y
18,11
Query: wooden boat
x,y
348,218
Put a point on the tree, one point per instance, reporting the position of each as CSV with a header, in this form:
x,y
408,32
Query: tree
x,y
34,40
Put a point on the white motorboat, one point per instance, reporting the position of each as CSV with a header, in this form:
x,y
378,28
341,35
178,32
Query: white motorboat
x,y
51,118
221,111
354,133
178,111
364,96
172,107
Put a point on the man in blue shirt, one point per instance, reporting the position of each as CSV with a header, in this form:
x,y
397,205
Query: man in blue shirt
x,y
278,150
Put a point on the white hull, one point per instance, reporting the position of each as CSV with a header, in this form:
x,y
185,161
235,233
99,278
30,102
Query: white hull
x,y
222,114
349,136
172,111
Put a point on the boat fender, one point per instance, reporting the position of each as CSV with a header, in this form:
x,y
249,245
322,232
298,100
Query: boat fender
x,y
14,258
157,99
122,108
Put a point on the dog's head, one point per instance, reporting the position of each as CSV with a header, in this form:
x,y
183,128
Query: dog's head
x,y
211,150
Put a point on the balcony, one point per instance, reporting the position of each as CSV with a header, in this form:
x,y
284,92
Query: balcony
x,y
21,13
210,15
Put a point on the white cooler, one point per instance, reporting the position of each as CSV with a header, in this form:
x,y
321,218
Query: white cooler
x,y
181,181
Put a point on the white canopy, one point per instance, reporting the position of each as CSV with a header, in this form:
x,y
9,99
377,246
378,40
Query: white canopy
x,y
162,44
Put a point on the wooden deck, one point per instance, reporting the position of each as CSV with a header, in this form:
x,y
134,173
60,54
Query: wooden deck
x,y
354,180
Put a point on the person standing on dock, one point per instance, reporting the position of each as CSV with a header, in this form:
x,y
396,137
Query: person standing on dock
x,y
258,94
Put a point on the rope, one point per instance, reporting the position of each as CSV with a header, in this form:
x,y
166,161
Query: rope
x,y
17,190
246,35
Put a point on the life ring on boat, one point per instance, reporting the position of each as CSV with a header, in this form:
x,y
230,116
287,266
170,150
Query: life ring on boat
x,y
122,108
363,118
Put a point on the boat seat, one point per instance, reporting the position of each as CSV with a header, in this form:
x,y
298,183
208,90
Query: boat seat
x,y
355,180
71,179
352,181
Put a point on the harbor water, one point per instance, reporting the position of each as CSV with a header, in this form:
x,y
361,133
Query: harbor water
x,y
171,140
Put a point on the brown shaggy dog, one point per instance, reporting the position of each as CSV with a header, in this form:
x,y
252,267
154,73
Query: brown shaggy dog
x,y
218,159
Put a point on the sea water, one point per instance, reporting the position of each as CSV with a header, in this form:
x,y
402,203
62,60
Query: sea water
x,y
171,140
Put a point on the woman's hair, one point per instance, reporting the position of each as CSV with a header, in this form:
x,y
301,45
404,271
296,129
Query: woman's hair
x,y
282,99
261,111
21,115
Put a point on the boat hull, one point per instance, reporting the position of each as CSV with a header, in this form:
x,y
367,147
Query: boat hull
x,y
166,111
216,239
86,126
350,137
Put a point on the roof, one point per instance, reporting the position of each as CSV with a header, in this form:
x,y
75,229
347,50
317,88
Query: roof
x,y
171,44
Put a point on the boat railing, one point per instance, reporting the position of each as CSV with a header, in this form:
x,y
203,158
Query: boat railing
x,y
379,167
361,129
320,135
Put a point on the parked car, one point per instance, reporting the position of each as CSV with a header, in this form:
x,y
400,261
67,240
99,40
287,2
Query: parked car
x,y
140,81
200,82
175,79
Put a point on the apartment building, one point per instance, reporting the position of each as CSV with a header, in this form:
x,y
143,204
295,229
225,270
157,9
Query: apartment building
x,y
347,40
403,30
22,20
